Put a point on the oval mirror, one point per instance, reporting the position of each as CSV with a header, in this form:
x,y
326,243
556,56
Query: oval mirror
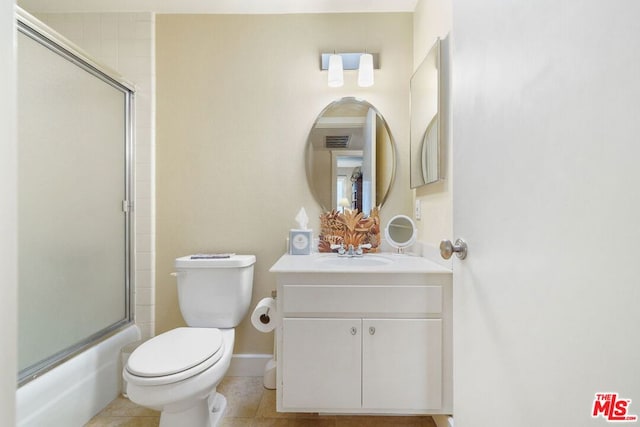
x,y
401,232
351,157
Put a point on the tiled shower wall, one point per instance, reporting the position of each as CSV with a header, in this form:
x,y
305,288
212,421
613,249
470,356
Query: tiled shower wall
x,y
125,42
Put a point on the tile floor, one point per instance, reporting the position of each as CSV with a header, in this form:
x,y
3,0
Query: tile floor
x,y
249,405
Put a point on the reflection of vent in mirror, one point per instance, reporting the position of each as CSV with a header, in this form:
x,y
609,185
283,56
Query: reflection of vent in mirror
x,y
337,141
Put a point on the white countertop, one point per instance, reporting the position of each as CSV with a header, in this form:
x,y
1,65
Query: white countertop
x,y
368,263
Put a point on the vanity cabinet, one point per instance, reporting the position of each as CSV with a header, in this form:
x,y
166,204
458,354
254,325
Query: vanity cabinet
x,y
364,342
377,364
401,364
323,363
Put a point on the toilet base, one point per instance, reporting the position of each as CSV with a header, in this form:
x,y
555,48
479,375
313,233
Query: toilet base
x,y
217,408
207,413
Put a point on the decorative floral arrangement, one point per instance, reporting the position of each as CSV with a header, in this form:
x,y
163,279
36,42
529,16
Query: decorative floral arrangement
x,y
349,228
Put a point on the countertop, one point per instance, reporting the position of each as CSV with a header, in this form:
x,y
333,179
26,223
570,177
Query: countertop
x,y
368,263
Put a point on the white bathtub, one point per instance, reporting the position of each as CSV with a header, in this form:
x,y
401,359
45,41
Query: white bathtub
x,y
72,393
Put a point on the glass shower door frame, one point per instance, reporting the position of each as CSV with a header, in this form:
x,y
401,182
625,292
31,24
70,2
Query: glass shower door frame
x,y
39,32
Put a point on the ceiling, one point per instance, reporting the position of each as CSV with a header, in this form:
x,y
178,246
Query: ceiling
x,y
220,6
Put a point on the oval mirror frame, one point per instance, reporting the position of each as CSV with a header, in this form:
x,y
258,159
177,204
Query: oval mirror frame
x,y
339,156
401,232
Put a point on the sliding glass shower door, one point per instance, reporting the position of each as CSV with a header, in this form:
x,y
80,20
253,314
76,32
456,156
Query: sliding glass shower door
x,y
74,139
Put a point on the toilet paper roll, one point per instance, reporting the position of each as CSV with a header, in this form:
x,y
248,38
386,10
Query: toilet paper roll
x,y
263,317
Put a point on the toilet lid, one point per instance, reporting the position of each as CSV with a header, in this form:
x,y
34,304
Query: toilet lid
x,y
176,351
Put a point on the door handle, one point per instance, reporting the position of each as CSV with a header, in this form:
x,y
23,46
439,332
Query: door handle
x,y
459,248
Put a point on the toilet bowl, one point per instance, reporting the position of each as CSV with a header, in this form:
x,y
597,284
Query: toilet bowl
x,y
177,372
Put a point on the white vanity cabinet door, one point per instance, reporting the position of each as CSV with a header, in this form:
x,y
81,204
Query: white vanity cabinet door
x,y
402,364
321,360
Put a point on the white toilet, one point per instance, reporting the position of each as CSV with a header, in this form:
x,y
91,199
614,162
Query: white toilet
x,y
177,372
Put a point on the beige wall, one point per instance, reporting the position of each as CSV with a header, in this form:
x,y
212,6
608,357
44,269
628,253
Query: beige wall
x,y
236,98
432,19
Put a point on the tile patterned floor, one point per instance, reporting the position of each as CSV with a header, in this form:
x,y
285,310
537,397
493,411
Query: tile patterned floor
x,y
249,405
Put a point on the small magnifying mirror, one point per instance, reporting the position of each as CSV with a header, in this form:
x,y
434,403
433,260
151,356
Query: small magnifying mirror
x,y
400,232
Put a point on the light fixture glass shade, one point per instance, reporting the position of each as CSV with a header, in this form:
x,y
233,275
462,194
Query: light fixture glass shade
x,y
336,76
365,70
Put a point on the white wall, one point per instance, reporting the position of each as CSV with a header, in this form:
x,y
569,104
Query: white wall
x,y
125,43
8,207
431,19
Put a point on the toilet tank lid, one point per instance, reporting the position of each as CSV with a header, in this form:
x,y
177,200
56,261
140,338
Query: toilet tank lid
x,y
202,261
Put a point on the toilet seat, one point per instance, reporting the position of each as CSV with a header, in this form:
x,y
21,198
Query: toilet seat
x,y
175,356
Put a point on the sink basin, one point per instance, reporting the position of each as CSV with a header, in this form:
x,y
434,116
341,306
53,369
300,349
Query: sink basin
x,y
363,261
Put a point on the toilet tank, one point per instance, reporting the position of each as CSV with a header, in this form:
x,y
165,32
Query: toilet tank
x,y
214,292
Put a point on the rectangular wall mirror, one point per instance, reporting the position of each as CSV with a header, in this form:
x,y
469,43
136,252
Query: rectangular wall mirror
x,y
425,120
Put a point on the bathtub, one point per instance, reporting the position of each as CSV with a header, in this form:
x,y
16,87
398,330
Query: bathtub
x,y
71,394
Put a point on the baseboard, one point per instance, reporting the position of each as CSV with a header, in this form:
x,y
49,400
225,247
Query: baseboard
x,y
248,365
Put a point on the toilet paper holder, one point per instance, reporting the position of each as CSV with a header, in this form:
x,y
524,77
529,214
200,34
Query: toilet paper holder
x,y
264,317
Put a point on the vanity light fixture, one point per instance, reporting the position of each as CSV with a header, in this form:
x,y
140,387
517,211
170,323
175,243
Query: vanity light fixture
x,y
365,70
336,63
335,75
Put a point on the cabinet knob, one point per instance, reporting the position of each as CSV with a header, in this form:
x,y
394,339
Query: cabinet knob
x,y
372,330
354,330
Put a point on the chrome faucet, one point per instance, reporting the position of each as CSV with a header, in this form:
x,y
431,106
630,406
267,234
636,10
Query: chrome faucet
x,y
359,251
340,248
350,251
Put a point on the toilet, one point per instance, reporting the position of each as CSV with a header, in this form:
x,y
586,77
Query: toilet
x,y
177,372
